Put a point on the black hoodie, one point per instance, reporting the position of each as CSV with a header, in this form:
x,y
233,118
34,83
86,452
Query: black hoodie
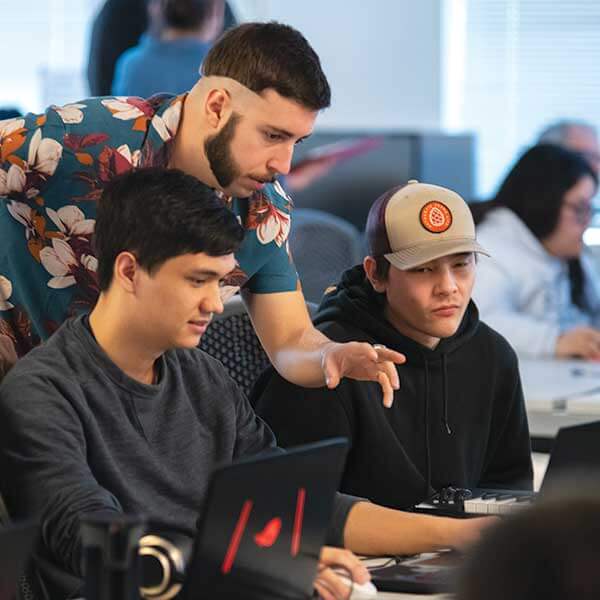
x,y
458,419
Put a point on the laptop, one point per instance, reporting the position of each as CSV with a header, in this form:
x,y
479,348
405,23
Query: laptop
x,y
16,543
575,455
264,523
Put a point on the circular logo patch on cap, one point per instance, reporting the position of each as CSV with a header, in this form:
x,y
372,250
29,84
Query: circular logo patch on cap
x,y
436,217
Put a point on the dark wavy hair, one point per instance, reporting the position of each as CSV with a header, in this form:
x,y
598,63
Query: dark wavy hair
x,y
534,190
158,214
270,56
184,14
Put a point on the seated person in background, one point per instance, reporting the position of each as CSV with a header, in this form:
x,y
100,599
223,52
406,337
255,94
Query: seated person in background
x,y
169,55
120,412
577,136
541,289
550,551
458,418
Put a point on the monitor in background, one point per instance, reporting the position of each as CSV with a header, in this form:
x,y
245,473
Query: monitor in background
x,y
352,185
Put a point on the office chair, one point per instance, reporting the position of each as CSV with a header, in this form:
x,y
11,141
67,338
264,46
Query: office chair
x,y
322,246
230,338
27,584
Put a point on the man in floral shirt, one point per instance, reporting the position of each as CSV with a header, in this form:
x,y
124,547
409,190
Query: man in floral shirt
x,y
260,93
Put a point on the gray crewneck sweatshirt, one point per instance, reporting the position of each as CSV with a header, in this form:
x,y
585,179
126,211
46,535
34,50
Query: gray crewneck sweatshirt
x,y
79,437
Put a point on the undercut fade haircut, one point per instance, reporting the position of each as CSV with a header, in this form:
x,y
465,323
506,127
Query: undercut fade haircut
x,y
274,56
158,214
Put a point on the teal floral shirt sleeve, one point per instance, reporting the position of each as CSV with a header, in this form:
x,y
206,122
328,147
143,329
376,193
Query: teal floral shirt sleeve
x,y
53,168
267,220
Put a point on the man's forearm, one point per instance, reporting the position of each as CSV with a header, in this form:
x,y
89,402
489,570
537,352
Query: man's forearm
x,y
288,336
303,355
375,530
300,360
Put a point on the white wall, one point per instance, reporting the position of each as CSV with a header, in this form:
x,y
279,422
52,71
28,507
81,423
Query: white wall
x,y
382,57
44,44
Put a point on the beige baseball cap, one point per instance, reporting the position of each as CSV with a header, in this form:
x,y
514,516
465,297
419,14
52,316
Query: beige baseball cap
x,y
413,224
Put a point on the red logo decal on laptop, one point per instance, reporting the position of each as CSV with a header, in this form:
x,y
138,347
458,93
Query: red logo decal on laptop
x,y
435,217
298,518
236,537
268,536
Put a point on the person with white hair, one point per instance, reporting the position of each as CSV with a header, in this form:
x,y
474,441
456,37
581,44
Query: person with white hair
x,y
575,135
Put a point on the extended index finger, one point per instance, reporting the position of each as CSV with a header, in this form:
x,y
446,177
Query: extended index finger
x,y
384,353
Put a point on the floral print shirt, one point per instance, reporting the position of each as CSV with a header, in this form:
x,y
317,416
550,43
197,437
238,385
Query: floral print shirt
x,y
53,168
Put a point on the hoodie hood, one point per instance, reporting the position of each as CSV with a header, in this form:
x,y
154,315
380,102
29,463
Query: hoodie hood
x,y
358,306
457,420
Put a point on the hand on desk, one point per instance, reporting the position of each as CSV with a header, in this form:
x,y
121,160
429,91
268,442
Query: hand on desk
x,y
329,585
583,342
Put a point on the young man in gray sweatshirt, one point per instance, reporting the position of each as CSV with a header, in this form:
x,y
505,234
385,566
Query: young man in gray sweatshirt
x,y
119,412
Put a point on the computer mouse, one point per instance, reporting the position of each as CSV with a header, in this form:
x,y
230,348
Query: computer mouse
x,y
360,591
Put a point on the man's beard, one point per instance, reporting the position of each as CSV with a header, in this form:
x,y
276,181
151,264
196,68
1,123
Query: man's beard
x,y
218,153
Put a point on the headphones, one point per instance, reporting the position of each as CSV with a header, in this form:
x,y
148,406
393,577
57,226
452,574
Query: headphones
x,y
164,555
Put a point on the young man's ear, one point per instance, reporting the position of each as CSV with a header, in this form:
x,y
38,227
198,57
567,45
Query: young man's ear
x,y
217,107
370,267
125,270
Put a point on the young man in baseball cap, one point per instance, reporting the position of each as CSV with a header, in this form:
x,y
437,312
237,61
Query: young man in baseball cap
x,y
459,417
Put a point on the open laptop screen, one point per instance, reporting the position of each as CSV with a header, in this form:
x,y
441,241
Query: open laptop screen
x,y
264,523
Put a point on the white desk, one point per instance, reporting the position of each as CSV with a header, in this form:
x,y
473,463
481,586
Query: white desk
x,y
559,393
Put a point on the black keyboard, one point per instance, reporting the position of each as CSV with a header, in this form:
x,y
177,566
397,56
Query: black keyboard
x,y
476,501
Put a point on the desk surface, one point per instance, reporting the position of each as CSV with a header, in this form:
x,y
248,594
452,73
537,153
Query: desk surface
x,y
559,393
374,562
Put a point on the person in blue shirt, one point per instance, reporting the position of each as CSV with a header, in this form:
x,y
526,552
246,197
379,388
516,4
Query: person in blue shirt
x,y
168,57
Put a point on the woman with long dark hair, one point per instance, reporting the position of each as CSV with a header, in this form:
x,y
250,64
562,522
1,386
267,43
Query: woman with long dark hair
x,y
540,289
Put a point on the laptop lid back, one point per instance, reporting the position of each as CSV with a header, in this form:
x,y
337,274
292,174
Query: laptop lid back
x,y
16,543
264,523
575,455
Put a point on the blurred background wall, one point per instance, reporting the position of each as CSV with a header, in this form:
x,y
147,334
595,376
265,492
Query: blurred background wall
x,y
500,69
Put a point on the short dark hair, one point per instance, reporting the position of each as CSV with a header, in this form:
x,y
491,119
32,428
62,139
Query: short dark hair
x,y
274,56
382,267
158,214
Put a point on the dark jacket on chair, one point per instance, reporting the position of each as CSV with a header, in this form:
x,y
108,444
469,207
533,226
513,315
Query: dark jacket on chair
x,y
458,418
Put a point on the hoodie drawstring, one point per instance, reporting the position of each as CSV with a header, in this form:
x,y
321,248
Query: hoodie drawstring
x,y
445,395
445,421
427,449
